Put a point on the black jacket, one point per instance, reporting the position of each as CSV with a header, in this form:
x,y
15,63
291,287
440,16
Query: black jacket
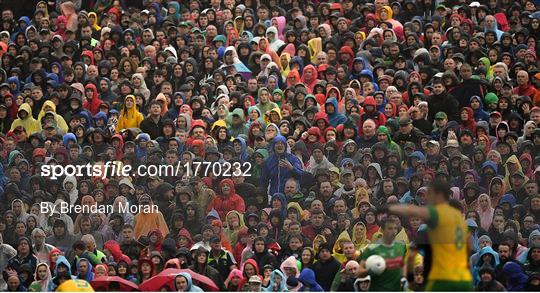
x,y
446,103
153,129
326,271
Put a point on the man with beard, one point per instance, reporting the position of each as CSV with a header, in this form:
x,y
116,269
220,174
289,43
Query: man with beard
x,y
505,254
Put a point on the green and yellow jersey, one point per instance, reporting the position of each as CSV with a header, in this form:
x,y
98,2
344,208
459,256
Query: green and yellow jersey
x,y
448,234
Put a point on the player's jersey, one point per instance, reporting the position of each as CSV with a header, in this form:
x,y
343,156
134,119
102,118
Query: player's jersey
x,y
448,238
394,256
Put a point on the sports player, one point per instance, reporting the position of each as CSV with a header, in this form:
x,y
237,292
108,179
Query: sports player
x,y
447,231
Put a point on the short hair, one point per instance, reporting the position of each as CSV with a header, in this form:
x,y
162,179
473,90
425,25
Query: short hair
x,y
154,102
79,244
295,223
297,236
442,187
88,238
37,231
386,222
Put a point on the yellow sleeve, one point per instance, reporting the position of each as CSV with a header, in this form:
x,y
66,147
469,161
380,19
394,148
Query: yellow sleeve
x,y
140,118
62,123
120,124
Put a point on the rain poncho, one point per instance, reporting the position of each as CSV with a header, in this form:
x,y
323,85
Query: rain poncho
x,y
30,124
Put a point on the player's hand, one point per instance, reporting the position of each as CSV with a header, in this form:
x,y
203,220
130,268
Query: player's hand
x,y
404,284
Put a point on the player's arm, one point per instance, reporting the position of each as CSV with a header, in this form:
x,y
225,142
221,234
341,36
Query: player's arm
x,y
362,270
411,210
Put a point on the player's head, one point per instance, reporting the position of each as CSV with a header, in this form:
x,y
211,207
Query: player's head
x,y
439,191
389,229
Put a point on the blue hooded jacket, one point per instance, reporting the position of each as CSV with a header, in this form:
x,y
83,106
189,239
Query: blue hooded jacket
x,y
494,28
89,274
300,61
516,279
366,66
276,176
488,164
479,114
244,157
190,286
282,285
480,263
281,197
62,260
100,115
67,137
26,20
15,80
335,118
411,171
309,283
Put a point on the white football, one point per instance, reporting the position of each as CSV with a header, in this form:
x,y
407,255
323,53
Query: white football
x,y
375,265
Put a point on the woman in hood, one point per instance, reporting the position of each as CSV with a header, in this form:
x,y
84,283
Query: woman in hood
x,y
130,117
512,166
184,283
234,281
485,210
359,236
235,222
43,279
139,85
277,282
146,270
467,119
249,269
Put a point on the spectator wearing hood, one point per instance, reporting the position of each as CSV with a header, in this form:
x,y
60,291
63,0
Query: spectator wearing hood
x,y
516,279
227,200
488,283
184,283
282,160
25,119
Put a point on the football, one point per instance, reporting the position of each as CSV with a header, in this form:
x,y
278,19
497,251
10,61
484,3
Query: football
x,y
375,265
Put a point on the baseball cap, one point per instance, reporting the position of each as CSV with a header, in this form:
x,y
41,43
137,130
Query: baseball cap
x,y
434,142
452,143
441,115
474,4
346,172
497,113
404,121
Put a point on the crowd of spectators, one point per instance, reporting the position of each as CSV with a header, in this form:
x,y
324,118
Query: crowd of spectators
x,y
335,110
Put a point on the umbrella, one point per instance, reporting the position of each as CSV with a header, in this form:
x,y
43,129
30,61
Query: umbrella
x,y
166,278
104,283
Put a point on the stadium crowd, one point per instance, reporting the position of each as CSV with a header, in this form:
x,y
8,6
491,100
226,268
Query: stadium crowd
x,y
335,110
